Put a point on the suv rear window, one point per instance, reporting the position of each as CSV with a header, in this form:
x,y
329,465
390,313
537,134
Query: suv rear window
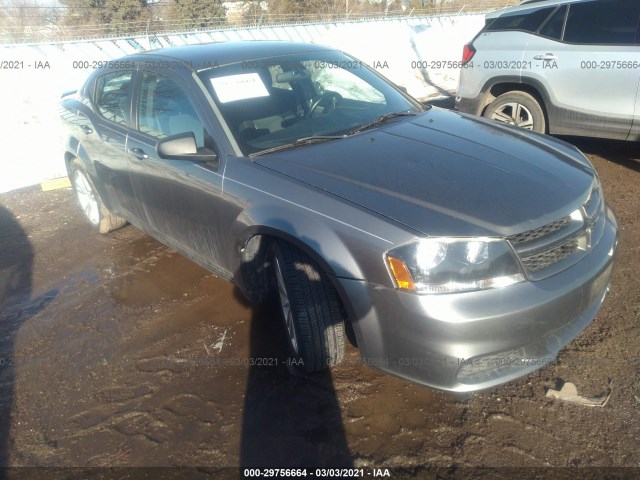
x,y
553,27
609,23
528,21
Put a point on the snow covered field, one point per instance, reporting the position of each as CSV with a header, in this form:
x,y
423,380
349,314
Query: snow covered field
x,y
412,52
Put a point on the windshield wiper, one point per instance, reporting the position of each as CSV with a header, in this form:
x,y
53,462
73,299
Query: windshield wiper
x,y
298,143
324,138
380,120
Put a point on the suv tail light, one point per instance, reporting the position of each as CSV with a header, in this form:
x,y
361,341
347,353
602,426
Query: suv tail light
x,y
467,53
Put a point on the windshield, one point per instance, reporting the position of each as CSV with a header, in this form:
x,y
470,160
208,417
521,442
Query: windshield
x,y
276,101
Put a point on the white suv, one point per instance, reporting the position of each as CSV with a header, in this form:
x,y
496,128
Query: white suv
x,y
569,67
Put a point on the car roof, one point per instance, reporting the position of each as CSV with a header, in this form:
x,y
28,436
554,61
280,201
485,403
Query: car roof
x,y
529,5
224,53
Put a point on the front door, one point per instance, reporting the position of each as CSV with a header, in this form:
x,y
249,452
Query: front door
x,y
181,198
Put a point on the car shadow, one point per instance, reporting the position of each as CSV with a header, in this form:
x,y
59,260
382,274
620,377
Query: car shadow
x,y
288,421
623,153
16,307
447,102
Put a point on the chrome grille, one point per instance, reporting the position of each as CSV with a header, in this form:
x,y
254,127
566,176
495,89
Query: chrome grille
x,y
549,257
543,249
539,232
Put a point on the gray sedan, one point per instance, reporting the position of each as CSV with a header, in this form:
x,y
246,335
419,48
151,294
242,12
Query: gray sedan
x,y
455,252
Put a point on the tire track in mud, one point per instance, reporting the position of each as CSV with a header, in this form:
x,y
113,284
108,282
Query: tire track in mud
x,y
162,354
148,314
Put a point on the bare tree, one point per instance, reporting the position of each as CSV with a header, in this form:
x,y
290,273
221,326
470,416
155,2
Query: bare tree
x,y
105,17
196,14
25,20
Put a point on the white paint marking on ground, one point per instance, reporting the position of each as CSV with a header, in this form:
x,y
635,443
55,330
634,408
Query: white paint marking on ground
x,y
220,343
55,184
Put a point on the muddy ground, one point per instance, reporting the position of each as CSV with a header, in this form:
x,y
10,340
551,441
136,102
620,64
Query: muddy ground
x,y
117,351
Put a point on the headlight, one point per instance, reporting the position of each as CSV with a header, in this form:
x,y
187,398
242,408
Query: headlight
x,y
447,265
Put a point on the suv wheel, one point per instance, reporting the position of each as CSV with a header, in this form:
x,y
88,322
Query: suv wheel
x,y
517,108
93,208
311,311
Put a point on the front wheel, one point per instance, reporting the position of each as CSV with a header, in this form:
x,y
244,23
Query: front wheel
x,y
311,311
94,210
517,108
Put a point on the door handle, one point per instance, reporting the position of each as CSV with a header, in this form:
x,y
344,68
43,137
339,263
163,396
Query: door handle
x,y
138,153
86,129
546,56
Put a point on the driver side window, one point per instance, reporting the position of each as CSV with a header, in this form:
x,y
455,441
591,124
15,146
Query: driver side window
x,y
164,109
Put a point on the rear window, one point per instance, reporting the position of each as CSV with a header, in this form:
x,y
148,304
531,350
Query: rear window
x,y
112,96
529,21
554,26
612,22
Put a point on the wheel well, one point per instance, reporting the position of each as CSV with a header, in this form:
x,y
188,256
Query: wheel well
x,y
501,88
256,248
255,267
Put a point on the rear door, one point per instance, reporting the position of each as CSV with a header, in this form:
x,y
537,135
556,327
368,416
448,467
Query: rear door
x,y
501,48
104,116
586,57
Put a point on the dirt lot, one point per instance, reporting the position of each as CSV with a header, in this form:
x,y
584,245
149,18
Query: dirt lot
x,y
117,351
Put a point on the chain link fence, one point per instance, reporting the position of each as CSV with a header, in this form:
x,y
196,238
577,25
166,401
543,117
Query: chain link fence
x,y
49,24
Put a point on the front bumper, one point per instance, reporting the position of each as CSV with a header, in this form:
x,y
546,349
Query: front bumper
x,y
475,340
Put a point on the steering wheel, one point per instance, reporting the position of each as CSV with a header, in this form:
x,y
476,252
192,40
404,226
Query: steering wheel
x,y
329,99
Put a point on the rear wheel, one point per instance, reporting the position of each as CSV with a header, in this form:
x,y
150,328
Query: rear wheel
x,y
94,210
311,311
517,108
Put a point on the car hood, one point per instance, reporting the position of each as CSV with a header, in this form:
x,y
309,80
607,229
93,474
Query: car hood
x,y
446,173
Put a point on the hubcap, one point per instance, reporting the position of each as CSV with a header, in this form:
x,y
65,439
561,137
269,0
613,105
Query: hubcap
x,y
86,198
514,114
286,308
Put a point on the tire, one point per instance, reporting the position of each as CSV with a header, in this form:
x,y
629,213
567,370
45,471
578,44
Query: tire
x,y
311,311
519,109
94,210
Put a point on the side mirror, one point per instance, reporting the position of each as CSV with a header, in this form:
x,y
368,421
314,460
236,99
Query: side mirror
x,y
182,146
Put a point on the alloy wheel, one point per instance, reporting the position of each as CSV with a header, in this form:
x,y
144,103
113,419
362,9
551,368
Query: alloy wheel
x,y
86,197
287,312
514,113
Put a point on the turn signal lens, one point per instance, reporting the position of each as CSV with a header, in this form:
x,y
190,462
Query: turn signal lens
x,y
401,274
